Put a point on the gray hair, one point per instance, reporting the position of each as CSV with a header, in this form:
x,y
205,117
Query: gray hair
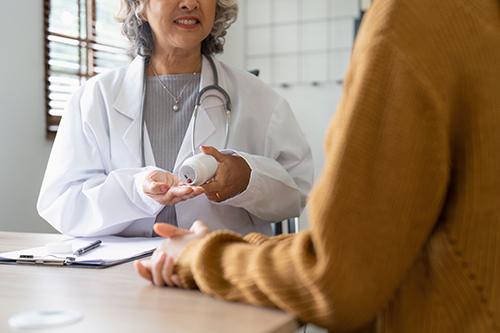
x,y
139,33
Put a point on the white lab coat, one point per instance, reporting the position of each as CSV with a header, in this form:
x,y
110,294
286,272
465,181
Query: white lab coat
x,y
93,182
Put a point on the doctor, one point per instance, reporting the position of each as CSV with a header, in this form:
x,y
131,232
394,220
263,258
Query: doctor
x,y
95,183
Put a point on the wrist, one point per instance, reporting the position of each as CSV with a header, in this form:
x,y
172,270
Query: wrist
x,y
183,264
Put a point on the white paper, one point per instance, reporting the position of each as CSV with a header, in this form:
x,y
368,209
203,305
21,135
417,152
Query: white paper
x,y
112,249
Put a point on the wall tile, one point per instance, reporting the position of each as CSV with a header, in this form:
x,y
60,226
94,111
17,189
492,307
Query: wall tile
x,y
259,41
344,8
300,41
342,33
338,65
285,10
286,39
314,36
258,12
314,9
286,69
314,67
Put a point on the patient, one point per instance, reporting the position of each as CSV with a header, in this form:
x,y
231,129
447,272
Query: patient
x,y
405,219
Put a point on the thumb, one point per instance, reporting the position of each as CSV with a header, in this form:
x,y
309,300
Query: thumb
x,y
209,150
199,227
168,231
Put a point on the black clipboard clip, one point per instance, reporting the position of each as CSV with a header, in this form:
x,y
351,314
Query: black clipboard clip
x,y
29,259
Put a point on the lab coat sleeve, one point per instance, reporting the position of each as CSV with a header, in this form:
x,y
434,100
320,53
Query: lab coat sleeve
x,y
81,194
283,175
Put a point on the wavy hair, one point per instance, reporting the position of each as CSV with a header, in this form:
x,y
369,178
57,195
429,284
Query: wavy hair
x,y
140,35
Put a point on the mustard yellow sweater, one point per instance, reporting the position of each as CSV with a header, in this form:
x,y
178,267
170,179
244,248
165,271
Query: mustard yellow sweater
x,y
405,218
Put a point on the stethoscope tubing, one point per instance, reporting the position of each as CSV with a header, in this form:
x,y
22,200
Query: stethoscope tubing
x,y
143,99
214,86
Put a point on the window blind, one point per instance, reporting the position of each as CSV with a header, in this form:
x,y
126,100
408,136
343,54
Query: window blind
x,y
81,40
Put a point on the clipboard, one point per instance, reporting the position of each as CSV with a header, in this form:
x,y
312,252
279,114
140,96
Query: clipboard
x,y
113,251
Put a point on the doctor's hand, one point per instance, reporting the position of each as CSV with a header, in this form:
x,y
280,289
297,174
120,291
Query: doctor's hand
x,y
231,178
160,268
167,189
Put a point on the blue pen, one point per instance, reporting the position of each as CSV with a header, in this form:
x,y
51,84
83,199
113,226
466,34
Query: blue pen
x,y
87,248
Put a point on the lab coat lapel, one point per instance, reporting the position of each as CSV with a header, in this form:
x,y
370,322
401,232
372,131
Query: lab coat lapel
x,y
128,103
205,127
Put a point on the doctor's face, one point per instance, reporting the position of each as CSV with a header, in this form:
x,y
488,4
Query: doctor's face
x,y
180,24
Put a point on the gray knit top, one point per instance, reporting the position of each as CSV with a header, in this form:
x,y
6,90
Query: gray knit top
x,y
166,127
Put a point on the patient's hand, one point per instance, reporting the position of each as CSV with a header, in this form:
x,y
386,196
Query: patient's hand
x,y
160,268
167,189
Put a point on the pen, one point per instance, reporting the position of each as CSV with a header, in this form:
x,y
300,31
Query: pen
x,y
87,248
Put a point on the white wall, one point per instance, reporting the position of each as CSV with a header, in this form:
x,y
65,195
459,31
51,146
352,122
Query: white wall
x,y
313,106
23,146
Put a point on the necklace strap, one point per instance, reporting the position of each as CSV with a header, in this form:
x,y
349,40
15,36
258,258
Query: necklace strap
x,y
176,99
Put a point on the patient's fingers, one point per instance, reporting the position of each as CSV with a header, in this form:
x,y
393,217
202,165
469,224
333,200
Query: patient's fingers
x,y
157,270
142,269
167,271
199,227
169,231
177,281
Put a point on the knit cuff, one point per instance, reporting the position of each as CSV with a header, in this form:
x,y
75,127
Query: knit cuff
x,y
255,238
183,264
199,254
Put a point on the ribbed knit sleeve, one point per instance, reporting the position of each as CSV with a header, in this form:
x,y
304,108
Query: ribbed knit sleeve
x,y
377,210
371,211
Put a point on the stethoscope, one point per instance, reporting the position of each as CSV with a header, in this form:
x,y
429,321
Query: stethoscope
x,y
214,86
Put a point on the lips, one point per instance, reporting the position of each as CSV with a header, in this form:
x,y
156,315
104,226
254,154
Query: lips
x,y
186,22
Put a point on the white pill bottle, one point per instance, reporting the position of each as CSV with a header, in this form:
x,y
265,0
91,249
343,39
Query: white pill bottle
x,y
198,169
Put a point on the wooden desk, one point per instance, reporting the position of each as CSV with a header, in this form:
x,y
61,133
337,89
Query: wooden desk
x,y
116,299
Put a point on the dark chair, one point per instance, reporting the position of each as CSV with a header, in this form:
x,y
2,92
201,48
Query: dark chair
x,y
291,225
254,72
